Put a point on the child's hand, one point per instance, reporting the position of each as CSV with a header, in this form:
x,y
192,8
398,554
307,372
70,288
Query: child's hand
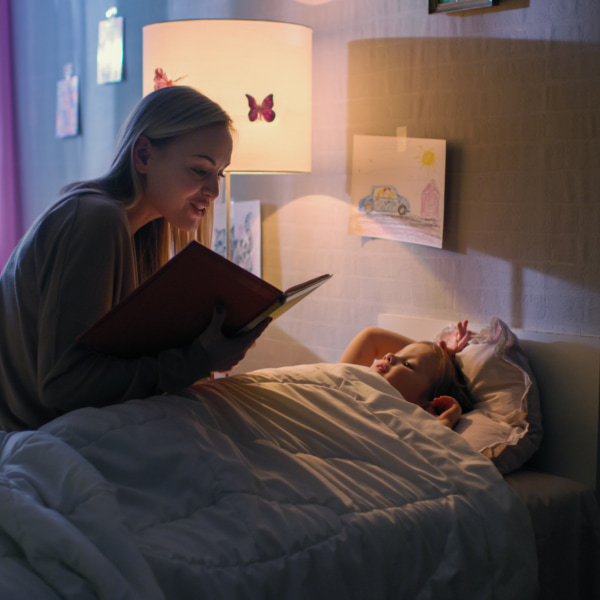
x,y
458,340
446,409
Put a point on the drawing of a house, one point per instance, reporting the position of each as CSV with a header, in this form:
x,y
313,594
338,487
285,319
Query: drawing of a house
x,y
430,201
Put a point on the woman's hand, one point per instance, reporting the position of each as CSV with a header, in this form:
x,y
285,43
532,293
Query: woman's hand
x,y
223,352
446,409
454,343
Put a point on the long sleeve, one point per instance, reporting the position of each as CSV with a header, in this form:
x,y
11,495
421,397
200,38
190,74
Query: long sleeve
x,y
72,268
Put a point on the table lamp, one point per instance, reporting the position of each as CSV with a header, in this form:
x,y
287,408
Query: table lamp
x,y
258,71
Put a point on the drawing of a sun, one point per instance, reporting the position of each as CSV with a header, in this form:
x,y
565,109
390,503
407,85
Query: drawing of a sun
x,y
427,159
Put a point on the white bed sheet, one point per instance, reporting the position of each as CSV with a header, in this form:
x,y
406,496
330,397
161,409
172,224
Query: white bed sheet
x,y
315,481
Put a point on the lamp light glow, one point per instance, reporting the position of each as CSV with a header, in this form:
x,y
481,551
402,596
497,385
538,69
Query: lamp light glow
x,y
230,60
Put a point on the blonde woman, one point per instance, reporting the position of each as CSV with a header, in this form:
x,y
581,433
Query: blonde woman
x,y
92,248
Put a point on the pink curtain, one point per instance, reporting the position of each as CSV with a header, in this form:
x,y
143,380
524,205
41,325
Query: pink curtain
x,y
9,205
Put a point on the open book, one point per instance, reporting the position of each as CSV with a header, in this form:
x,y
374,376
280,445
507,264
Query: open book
x,y
176,304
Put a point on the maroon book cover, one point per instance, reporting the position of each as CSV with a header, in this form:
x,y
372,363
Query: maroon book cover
x,y
175,305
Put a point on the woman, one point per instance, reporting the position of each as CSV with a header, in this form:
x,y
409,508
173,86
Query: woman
x,y
94,246
423,372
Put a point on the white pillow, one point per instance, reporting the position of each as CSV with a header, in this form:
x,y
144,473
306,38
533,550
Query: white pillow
x,y
505,424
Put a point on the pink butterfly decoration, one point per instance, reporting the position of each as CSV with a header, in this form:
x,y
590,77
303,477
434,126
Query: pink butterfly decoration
x,y
261,111
161,80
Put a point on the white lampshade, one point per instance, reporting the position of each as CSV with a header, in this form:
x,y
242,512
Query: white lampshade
x,y
227,59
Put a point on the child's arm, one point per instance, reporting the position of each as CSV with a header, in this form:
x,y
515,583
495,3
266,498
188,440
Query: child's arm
x,y
372,343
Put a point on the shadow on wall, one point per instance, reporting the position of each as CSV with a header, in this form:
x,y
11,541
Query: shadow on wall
x,y
276,349
521,123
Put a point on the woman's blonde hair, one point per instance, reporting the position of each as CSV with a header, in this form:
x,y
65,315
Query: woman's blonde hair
x,y
162,115
449,379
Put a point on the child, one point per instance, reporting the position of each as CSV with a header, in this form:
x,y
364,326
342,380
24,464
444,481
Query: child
x,y
423,372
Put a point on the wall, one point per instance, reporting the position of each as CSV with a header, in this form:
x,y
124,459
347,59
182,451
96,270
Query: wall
x,y
514,90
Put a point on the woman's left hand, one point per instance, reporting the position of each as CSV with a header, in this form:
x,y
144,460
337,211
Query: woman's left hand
x,y
223,352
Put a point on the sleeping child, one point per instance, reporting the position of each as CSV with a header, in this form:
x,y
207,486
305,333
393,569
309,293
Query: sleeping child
x,y
423,372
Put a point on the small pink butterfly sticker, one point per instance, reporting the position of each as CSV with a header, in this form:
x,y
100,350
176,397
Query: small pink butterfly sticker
x,y
261,111
161,80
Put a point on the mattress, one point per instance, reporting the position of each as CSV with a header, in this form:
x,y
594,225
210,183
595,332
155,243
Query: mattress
x,y
566,522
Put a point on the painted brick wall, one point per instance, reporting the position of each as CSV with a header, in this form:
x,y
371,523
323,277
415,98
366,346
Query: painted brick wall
x,y
514,90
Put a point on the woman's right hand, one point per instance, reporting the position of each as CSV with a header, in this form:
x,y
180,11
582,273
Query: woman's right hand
x,y
223,352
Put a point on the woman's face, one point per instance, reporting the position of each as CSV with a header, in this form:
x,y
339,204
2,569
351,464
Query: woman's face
x,y
181,178
411,371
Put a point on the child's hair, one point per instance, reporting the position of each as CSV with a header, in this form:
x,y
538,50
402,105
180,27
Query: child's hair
x,y
450,380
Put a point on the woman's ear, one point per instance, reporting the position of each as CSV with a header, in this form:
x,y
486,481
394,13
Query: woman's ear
x,y
141,153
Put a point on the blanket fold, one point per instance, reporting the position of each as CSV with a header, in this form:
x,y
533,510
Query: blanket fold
x,y
305,482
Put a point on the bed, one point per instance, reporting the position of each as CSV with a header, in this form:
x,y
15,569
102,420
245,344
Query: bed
x,y
558,474
313,481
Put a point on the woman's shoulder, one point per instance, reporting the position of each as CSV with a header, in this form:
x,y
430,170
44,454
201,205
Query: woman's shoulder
x,y
83,219
92,207
82,225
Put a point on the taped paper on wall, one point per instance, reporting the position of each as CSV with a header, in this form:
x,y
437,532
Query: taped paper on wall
x,y
398,195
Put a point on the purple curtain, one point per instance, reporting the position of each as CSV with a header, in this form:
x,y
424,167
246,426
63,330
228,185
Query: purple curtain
x,y
9,206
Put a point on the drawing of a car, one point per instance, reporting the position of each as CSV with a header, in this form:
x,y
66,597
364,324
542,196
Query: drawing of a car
x,y
384,199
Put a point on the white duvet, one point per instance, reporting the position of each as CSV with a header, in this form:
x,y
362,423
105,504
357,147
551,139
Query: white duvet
x,y
308,482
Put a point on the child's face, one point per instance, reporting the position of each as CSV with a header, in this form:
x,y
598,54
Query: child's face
x,y
411,371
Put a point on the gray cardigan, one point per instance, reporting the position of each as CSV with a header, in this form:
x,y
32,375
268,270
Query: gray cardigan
x,y
74,264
